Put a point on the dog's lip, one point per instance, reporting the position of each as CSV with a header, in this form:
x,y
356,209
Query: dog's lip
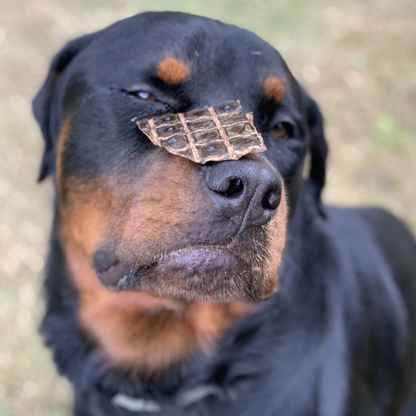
x,y
194,260
112,272
190,249
192,256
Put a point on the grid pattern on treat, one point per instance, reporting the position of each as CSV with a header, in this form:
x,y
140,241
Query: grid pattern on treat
x,y
215,133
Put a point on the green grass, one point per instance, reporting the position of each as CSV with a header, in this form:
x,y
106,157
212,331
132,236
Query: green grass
x,y
357,58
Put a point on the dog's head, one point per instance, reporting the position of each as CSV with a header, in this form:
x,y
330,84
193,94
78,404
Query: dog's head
x,y
142,219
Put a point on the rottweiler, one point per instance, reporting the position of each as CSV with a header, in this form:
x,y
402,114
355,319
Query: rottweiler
x,y
218,288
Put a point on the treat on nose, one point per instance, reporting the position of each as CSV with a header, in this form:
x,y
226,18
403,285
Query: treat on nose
x,y
213,134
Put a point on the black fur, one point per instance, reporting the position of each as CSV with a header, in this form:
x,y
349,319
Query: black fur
x,y
338,339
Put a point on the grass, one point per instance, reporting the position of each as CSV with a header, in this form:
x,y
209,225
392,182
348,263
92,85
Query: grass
x,y
357,58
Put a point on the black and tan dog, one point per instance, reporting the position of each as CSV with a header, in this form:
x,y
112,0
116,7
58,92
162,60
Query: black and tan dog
x,y
202,244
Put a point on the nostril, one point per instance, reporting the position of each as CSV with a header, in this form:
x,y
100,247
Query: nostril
x,y
235,187
230,189
272,199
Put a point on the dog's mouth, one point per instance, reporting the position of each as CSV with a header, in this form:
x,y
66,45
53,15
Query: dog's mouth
x,y
196,261
200,273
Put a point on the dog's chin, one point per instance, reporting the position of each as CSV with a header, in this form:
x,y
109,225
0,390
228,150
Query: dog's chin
x,y
212,274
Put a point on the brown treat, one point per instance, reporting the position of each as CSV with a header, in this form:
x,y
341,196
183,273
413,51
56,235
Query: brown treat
x,y
216,133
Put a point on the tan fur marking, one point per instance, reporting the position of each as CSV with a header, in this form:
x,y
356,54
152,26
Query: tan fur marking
x,y
142,333
274,88
137,331
62,142
173,71
113,204
167,201
86,213
276,232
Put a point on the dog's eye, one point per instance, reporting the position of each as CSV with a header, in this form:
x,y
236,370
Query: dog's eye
x,y
282,131
144,95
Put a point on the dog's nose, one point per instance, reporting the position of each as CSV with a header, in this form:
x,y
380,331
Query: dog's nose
x,y
247,189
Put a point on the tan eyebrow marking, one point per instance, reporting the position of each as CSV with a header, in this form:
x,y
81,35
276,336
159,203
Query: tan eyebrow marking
x,y
274,88
173,71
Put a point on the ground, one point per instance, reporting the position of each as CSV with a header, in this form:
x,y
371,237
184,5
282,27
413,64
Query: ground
x,y
357,58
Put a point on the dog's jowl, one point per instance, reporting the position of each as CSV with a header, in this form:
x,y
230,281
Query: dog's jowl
x,y
179,287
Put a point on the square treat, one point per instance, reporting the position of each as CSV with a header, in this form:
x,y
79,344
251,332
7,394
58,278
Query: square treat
x,y
216,133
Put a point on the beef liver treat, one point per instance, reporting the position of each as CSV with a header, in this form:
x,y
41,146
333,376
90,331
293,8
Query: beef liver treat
x,y
216,133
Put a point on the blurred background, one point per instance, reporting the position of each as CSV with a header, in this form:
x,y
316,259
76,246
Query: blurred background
x,y
357,58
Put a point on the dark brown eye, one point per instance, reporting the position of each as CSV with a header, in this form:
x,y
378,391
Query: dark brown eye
x,y
282,131
144,95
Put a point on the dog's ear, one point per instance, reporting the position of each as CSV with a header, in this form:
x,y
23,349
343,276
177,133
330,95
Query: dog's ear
x,y
317,143
43,102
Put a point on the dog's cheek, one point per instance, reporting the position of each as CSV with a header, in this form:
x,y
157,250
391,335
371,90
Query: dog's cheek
x,y
81,202
140,214
161,214
85,216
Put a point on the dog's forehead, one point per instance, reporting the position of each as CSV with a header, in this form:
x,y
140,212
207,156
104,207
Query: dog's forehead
x,y
140,44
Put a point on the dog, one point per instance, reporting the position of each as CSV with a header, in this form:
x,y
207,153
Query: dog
x,y
246,294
